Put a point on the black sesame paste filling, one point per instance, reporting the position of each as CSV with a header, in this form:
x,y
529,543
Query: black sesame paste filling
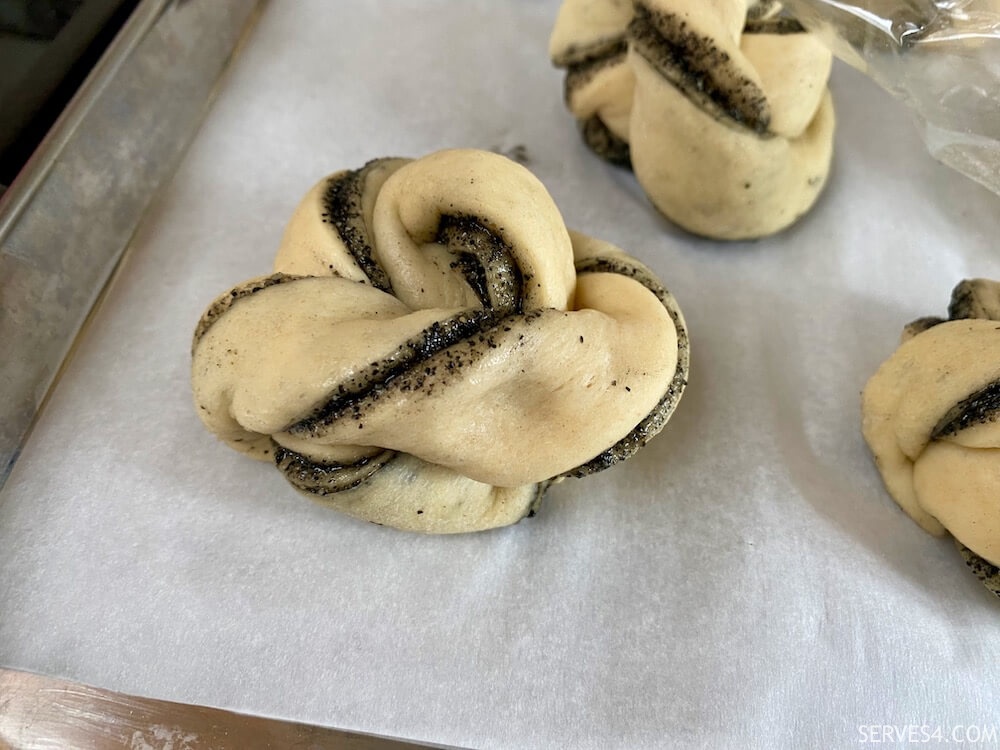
x,y
963,302
579,73
485,261
604,143
343,208
482,258
970,299
695,65
577,55
974,298
982,407
223,303
984,570
327,478
366,387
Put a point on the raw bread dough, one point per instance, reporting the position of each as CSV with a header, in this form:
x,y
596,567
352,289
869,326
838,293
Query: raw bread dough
x,y
435,347
931,416
721,108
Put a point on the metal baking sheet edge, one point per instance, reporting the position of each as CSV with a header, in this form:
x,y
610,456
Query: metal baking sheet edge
x,y
68,218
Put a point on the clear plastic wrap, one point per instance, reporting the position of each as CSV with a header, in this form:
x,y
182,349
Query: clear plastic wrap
x,y
940,57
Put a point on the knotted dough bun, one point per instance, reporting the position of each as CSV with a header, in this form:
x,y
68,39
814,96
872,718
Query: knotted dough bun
x,y
720,106
435,347
931,416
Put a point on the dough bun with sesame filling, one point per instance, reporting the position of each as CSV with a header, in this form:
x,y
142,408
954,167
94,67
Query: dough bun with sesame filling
x,y
435,347
721,108
931,416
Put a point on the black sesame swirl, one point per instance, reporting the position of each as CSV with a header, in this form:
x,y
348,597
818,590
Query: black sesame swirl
x,y
985,571
580,74
405,368
343,209
971,299
699,67
486,261
483,257
329,477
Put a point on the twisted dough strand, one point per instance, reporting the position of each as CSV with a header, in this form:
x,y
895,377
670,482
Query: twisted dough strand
x,y
435,347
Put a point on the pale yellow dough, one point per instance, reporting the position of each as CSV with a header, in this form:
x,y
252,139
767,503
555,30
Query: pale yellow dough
x,y
436,347
728,123
930,418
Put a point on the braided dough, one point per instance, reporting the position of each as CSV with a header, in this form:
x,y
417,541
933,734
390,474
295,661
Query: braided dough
x,y
931,416
721,108
435,347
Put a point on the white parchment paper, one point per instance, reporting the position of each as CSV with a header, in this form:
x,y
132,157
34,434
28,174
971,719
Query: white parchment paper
x,y
743,581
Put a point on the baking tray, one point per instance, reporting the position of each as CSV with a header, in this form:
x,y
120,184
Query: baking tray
x,y
744,580
67,219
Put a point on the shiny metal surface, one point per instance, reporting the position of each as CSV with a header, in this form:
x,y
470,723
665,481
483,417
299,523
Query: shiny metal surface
x,y
42,713
66,220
